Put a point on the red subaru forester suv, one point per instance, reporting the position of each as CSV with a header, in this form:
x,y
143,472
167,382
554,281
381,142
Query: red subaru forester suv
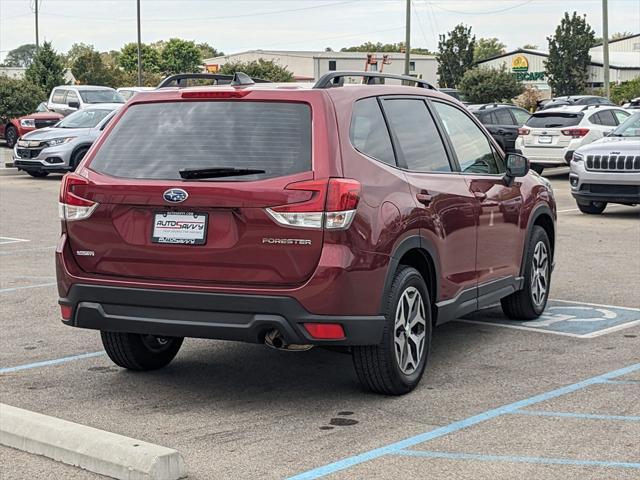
x,y
358,216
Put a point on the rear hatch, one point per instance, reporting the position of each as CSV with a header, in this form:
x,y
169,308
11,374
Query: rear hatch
x,y
150,223
545,129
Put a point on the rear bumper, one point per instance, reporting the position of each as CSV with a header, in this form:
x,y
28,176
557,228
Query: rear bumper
x,y
220,316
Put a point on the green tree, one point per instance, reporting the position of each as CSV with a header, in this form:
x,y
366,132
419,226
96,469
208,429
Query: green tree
x,y
625,91
265,69
77,50
487,48
89,69
47,69
455,55
18,97
530,46
569,58
21,56
128,58
180,56
370,47
208,51
486,85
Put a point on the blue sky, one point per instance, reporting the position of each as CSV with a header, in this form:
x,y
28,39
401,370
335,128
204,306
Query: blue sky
x,y
236,25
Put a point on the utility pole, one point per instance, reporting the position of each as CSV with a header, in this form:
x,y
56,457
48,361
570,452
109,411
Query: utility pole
x,y
139,49
36,12
605,47
407,40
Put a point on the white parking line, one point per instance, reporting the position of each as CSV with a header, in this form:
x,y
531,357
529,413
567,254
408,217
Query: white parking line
x,y
7,240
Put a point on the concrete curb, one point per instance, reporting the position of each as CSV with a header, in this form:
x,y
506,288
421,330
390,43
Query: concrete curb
x,y
95,450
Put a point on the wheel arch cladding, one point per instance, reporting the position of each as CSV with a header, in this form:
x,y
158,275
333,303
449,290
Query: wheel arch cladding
x,y
541,217
418,253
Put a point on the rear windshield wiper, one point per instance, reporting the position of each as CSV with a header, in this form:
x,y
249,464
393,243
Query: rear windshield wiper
x,y
195,173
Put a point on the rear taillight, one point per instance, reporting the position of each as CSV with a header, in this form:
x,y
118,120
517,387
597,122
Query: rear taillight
x,y
332,204
575,132
523,131
71,205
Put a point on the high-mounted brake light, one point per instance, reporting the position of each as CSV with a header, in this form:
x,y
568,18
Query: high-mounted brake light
x,y
575,132
332,204
523,131
71,206
224,94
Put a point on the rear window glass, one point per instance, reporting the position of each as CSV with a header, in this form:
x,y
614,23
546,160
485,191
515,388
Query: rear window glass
x,y
157,140
554,120
369,132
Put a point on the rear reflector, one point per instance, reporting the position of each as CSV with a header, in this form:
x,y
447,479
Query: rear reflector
x,y
333,204
66,311
575,132
225,94
71,205
325,331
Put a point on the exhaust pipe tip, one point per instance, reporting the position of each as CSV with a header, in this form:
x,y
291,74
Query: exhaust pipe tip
x,y
274,339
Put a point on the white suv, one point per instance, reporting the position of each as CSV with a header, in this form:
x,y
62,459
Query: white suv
x,y
549,137
66,99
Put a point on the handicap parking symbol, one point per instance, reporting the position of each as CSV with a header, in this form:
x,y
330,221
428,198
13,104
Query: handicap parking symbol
x,y
566,318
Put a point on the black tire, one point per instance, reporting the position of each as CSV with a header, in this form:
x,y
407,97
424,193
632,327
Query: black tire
x,y
140,352
537,168
37,173
592,208
522,305
377,366
77,156
11,136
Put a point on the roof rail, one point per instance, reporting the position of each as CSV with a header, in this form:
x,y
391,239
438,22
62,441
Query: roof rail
x,y
587,107
336,79
180,80
488,105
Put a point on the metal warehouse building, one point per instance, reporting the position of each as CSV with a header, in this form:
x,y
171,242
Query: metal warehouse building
x,y
528,65
308,66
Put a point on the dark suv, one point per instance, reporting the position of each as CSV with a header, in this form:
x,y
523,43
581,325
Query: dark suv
x,y
502,121
343,216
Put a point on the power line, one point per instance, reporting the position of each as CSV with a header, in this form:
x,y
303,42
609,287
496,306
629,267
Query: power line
x,y
481,13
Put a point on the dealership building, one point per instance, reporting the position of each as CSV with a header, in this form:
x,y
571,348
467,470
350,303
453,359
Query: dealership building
x,y
309,66
528,65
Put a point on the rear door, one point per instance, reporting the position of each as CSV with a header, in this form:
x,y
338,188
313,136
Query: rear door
x,y
446,211
153,224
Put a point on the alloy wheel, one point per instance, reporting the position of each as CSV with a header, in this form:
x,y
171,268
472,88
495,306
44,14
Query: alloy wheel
x,y
410,330
539,273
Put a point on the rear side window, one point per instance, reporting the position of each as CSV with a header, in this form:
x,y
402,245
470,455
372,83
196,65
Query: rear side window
x,y
368,131
604,118
58,96
157,140
419,142
554,120
503,117
488,119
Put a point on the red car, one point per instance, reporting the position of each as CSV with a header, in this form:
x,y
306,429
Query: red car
x,y
353,216
11,130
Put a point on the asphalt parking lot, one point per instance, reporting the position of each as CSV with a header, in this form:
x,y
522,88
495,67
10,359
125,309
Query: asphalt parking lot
x,y
555,398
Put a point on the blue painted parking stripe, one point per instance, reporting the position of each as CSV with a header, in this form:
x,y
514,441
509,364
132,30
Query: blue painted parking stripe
x,y
13,289
622,382
459,425
47,363
543,413
516,459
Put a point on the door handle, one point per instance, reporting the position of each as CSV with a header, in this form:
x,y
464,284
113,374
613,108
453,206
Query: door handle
x,y
501,132
480,195
423,197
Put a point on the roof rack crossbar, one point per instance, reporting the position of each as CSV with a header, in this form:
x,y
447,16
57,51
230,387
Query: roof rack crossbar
x,y
180,80
336,79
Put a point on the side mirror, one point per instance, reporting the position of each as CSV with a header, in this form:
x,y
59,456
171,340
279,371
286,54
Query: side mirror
x,y
517,165
75,105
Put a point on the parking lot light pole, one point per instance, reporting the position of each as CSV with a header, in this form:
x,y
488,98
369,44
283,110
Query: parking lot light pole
x,y
605,47
407,39
139,48
36,12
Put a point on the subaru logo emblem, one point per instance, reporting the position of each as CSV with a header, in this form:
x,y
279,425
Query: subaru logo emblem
x,y
175,195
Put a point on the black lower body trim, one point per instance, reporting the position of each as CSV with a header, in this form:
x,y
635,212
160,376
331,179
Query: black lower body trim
x,y
174,313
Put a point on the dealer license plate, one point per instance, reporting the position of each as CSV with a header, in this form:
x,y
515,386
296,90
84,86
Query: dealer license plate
x,y
187,228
